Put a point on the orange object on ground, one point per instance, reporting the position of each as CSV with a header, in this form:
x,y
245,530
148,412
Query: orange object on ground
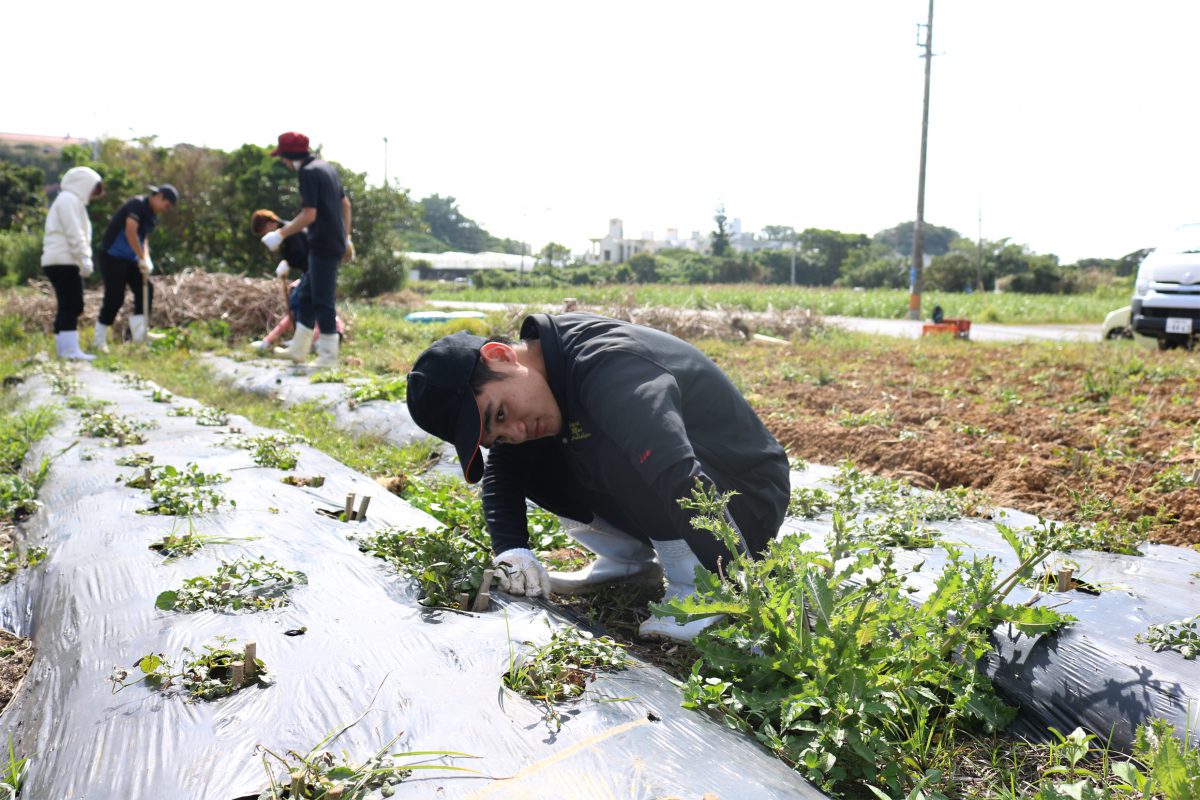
x,y
958,328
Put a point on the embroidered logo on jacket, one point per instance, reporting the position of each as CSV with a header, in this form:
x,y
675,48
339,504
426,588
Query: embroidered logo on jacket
x,y
644,456
578,434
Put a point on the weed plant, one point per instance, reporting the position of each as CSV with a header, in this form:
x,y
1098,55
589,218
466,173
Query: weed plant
x,y
161,396
109,425
79,403
250,584
332,376
562,668
12,774
1182,636
180,493
19,431
18,495
443,561
212,417
176,545
268,449
379,388
206,675
321,775
827,661
135,459
61,379
11,561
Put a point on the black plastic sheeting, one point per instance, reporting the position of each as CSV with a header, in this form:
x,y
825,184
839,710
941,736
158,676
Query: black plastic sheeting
x,y
434,676
1092,673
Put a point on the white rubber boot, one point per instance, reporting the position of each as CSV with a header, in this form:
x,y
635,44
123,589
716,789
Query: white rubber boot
x,y
66,344
297,349
137,328
100,338
620,558
679,565
261,346
327,352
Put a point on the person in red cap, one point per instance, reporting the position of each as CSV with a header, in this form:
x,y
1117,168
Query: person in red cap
x,y
325,212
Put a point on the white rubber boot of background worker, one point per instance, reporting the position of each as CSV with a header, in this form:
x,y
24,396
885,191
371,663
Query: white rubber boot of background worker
x,y
100,338
679,565
66,345
137,328
620,558
327,351
297,349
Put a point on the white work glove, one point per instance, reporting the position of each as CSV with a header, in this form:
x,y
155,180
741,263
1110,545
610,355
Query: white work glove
x,y
87,268
521,573
272,240
349,254
281,271
145,265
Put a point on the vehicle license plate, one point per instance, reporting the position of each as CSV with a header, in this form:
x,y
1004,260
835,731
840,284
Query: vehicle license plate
x,y
1179,324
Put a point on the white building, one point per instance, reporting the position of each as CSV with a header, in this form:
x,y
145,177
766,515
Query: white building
x,y
448,266
616,249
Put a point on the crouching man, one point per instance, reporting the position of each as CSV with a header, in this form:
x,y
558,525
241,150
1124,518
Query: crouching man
x,y
608,424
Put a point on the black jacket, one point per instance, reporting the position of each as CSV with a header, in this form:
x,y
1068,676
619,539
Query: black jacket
x,y
644,415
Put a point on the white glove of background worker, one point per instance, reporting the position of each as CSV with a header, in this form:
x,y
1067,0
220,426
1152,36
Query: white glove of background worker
x,y
281,271
349,254
87,267
272,240
521,573
145,265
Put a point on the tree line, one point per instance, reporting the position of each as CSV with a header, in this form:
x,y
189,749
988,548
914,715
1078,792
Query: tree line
x,y
220,190
820,257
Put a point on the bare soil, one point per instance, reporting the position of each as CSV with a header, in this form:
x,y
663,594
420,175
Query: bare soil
x,y
1072,432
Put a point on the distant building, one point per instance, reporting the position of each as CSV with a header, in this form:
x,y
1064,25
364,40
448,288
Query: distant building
x,y
616,249
33,150
451,266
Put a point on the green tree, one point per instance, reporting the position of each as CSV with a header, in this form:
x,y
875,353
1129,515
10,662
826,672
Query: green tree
x,y
22,200
720,237
874,266
554,254
644,267
448,224
935,239
779,233
823,253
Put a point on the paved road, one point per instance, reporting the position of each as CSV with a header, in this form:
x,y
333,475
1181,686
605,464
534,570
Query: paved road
x,y
902,328
980,331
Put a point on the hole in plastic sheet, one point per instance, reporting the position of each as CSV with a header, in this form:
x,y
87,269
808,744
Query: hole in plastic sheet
x,y
333,513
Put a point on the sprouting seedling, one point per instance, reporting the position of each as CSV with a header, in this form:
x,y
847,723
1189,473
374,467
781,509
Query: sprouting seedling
x,y
268,450
250,584
319,775
176,545
11,561
216,671
562,668
159,395
179,492
1182,635
103,424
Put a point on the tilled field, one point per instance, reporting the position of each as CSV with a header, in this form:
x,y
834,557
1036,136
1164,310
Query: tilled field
x,y
1086,432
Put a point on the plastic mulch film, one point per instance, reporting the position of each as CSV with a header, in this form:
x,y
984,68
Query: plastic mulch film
x,y
367,648
389,420
1092,673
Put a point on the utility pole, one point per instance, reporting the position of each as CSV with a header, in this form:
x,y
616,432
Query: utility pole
x,y
793,256
385,182
979,252
918,263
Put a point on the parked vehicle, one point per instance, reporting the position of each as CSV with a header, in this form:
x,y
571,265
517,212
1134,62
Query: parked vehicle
x,y
1117,326
1166,294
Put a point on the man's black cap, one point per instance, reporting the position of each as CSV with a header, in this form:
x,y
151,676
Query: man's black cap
x,y
441,401
168,191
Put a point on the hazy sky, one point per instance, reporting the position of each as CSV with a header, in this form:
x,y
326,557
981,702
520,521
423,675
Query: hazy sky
x,y
1071,124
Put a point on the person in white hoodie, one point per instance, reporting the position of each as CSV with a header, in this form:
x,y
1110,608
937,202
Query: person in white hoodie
x,y
67,254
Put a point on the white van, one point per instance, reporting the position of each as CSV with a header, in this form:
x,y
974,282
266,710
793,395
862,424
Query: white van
x,y
1166,294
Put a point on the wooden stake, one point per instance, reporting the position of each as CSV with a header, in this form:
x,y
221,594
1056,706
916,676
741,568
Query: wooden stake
x,y
297,784
484,598
251,663
349,515
149,479
1064,579
463,600
239,674
362,508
